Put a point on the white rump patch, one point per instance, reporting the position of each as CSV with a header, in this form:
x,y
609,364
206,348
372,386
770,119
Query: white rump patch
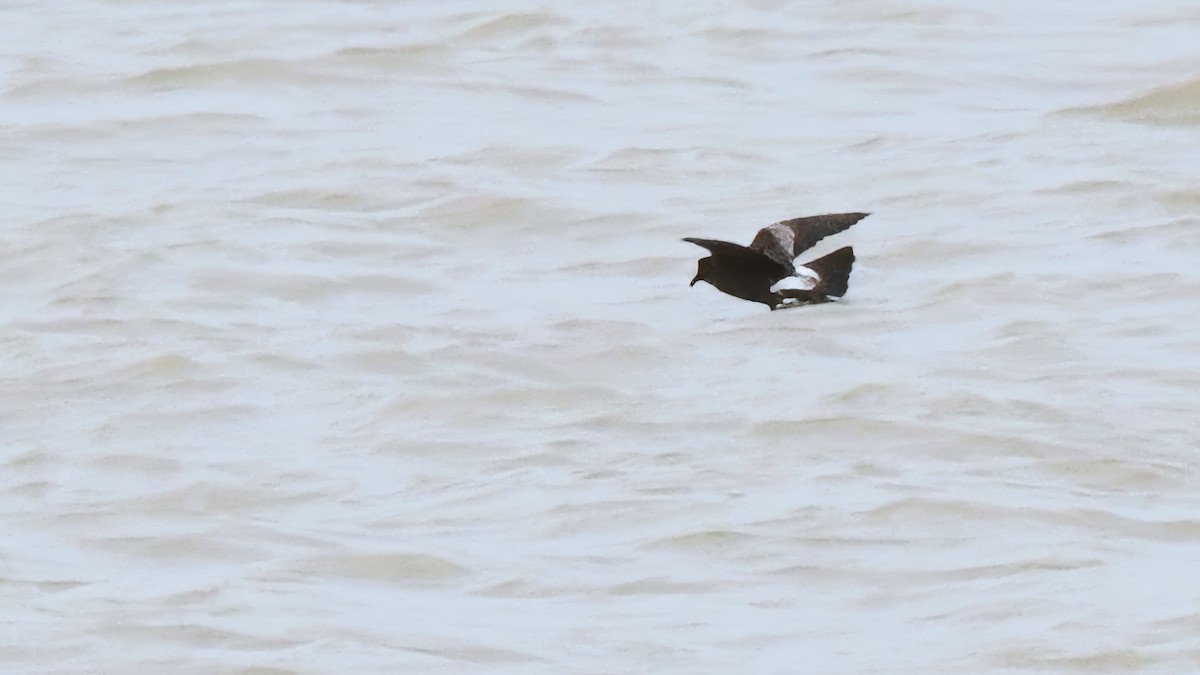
x,y
805,280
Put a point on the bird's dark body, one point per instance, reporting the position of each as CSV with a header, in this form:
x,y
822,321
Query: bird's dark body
x,y
742,273
749,272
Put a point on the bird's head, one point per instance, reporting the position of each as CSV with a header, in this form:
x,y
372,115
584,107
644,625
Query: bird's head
x,y
703,268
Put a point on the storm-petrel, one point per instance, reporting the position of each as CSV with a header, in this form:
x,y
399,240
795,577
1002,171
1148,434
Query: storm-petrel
x,y
763,272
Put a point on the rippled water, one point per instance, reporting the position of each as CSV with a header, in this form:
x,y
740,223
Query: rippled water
x,y
356,337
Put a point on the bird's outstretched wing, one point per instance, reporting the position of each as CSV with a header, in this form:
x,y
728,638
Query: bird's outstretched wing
x,y
785,240
740,255
726,248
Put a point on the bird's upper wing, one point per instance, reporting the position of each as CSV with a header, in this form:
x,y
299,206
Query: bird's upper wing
x,y
787,239
736,253
726,248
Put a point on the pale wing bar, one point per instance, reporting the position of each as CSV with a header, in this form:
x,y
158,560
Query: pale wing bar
x,y
785,240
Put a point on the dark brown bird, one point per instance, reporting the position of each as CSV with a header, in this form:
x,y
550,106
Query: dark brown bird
x,y
763,272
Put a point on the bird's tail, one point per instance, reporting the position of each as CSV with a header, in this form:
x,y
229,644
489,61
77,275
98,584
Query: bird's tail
x,y
834,270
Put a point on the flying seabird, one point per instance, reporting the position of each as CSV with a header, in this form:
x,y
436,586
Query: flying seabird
x,y
763,272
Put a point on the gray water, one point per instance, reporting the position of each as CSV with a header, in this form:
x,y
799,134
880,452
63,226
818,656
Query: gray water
x,y
356,337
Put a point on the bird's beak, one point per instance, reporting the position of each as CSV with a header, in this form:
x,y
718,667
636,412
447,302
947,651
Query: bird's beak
x,y
695,280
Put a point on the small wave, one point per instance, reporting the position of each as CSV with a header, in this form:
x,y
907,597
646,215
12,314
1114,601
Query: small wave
x,y
714,541
658,586
321,199
423,55
1173,105
512,25
418,568
243,71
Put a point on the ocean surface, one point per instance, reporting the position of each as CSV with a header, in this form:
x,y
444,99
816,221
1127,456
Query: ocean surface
x,y
356,337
